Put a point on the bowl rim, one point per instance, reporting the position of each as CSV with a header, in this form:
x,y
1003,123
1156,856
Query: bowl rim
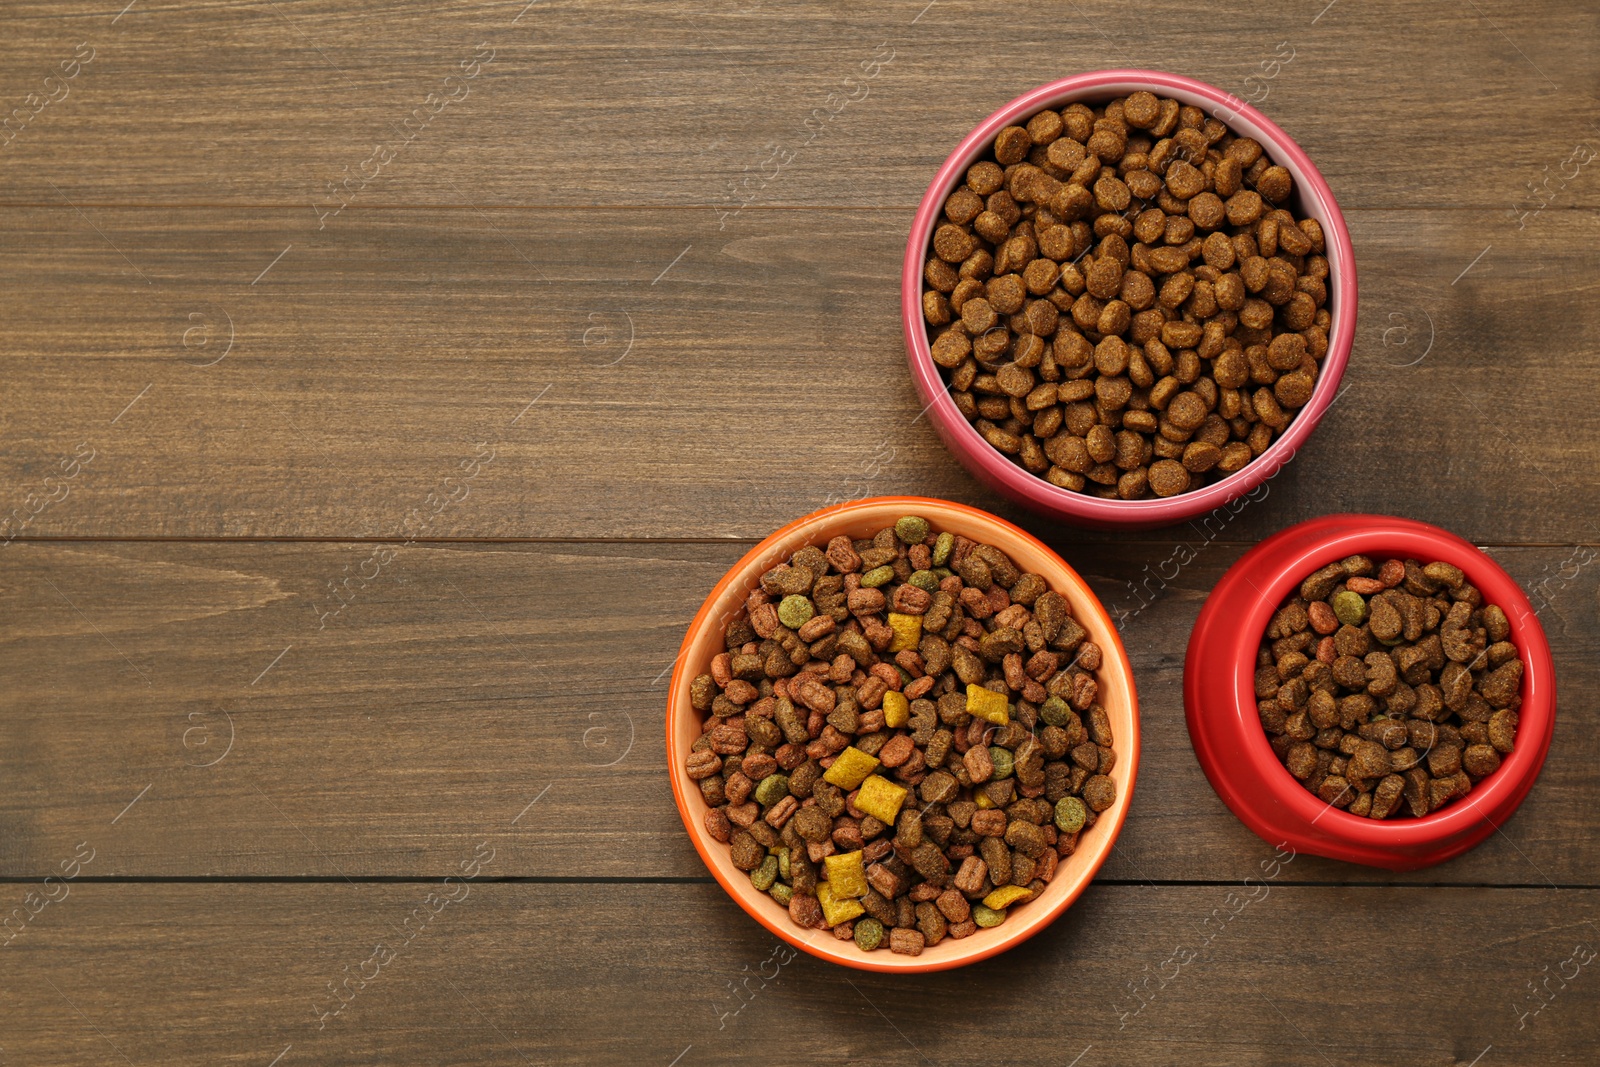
x,y
1034,491
1115,658
1303,549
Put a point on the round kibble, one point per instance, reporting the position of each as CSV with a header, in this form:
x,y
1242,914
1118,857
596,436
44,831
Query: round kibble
x,y
794,611
1070,815
771,789
1099,792
868,934
1141,110
1168,477
921,709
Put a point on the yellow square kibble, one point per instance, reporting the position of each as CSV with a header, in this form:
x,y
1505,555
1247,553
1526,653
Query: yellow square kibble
x,y
881,799
846,875
896,709
987,704
907,631
837,909
1006,896
981,798
851,767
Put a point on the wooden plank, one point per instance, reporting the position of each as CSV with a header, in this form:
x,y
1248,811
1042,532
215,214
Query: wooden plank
x,y
539,974
685,388
267,103
519,689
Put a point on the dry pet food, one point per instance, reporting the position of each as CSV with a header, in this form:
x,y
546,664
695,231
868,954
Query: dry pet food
x,y
1122,302
902,738
1389,689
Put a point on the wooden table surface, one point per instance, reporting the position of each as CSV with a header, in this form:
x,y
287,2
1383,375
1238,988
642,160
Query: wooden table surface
x,y
386,385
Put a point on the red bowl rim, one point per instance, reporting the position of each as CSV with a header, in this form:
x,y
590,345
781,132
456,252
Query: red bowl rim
x,y
1034,491
1116,657
1327,540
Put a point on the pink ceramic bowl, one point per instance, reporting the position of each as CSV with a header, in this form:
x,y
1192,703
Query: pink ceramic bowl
x,y
1220,701
1311,197
862,518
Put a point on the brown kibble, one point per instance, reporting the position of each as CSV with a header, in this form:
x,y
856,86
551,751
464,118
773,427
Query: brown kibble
x,y
1199,457
1185,180
1398,711
1045,127
1294,390
1186,411
806,911
1011,145
953,244
1145,223
962,206
1502,730
1479,760
1500,686
1387,796
906,942
985,178
1099,792
1141,110
1168,477
1110,194
746,852
1244,207
1275,184
717,824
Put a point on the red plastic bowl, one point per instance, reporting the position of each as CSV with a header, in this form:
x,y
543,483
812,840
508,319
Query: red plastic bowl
x,y
1311,197
1220,703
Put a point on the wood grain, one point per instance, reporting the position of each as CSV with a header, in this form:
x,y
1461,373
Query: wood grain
x,y
539,974
465,682
363,455
760,376
680,105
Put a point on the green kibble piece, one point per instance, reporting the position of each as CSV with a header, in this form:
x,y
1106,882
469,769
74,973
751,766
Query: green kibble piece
x,y
1070,815
1055,712
772,788
1350,608
783,862
868,934
1003,764
782,893
942,573
765,875
987,917
942,547
927,581
913,529
872,579
794,611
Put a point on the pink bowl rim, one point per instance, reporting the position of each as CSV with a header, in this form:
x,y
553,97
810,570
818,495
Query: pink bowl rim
x,y
997,469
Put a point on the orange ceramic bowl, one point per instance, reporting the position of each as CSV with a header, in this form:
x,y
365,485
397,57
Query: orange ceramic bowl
x,y
859,519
